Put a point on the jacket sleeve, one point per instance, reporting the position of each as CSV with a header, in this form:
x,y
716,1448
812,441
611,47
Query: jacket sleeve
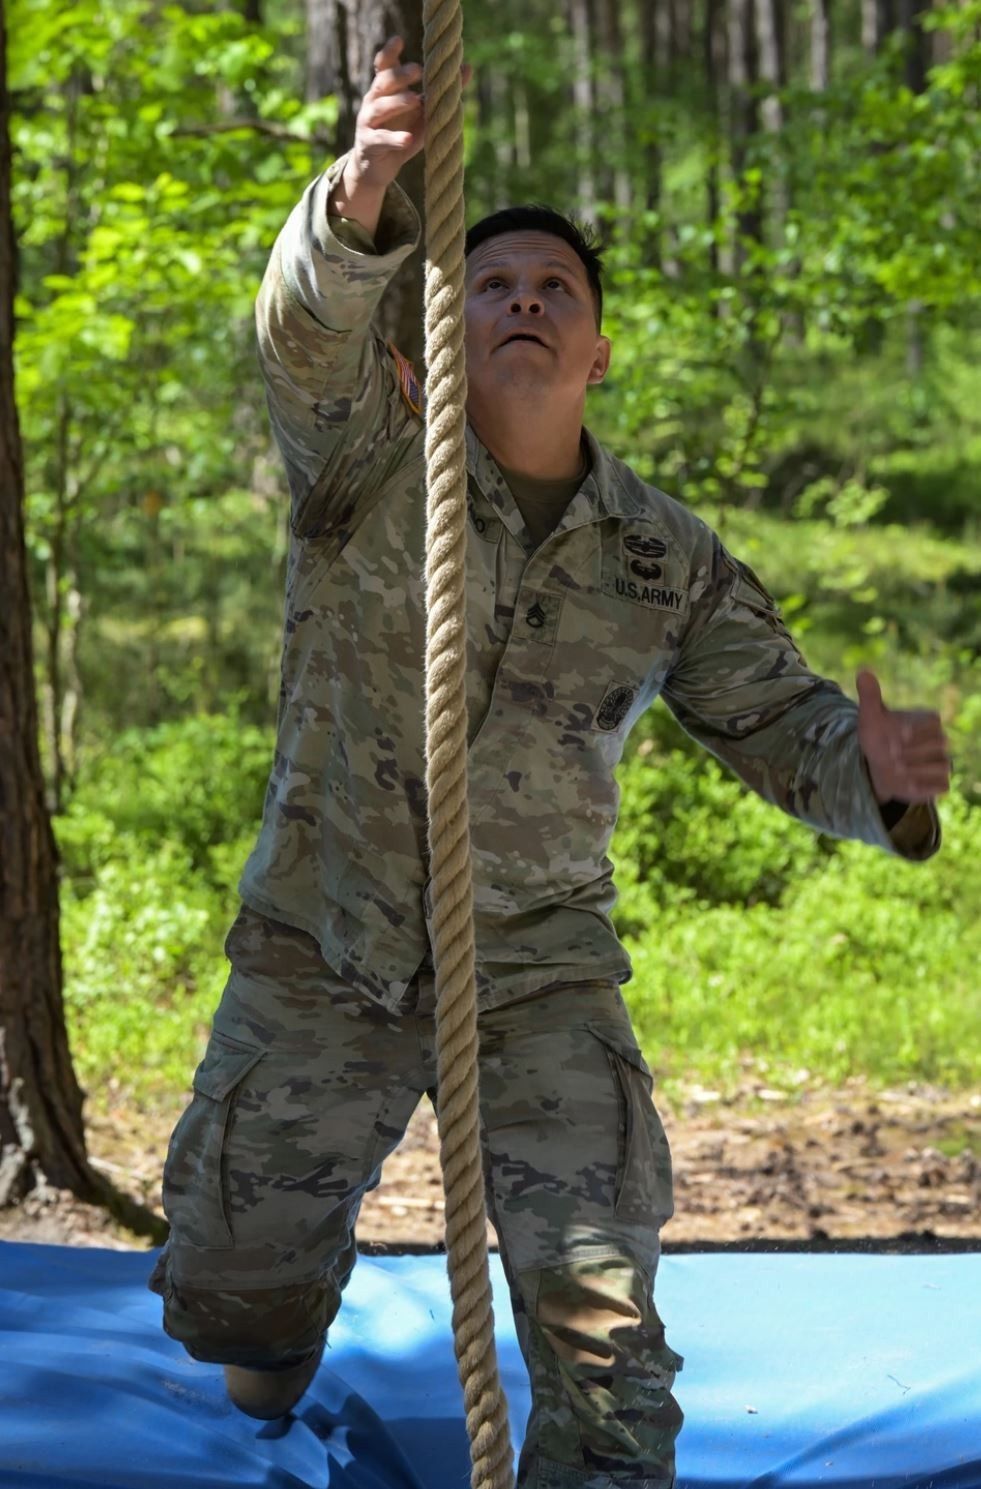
x,y
742,689
332,386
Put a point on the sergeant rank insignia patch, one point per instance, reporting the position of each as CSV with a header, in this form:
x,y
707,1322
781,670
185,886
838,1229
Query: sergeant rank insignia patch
x,y
408,382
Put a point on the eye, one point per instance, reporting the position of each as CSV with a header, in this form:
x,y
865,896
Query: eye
x,y
554,279
492,282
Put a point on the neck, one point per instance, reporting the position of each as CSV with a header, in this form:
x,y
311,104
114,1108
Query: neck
x,y
543,448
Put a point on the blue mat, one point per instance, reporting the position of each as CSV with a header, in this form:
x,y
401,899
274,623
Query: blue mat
x,y
800,1370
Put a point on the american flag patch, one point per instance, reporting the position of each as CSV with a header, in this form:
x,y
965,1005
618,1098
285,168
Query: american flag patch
x,y
408,382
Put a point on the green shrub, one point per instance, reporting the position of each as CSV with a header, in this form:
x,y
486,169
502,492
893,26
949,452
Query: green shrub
x,y
143,962
152,846
196,783
867,967
689,831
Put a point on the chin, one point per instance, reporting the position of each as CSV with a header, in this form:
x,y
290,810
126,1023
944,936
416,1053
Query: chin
x,y
523,380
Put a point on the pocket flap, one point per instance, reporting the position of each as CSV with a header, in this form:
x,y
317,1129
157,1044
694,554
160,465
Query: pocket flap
x,y
616,1040
225,1063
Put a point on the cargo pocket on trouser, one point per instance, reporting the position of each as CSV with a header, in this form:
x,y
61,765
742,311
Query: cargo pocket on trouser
x,y
644,1187
194,1187
603,1416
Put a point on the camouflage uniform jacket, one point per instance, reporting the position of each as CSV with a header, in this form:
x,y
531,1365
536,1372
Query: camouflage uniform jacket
x,y
630,597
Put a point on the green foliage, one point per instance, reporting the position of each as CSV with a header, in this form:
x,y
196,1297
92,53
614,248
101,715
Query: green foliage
x,y
179,792
145,224
867,967
152,846
689,835
143,970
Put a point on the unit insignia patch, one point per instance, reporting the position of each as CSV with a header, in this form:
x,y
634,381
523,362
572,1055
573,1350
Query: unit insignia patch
x,y
615,706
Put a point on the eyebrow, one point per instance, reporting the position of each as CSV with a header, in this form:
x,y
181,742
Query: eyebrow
x,y
504,264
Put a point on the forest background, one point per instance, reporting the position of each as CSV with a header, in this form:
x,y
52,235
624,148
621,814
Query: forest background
x,y
789,195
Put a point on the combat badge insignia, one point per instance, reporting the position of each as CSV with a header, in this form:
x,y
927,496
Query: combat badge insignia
x,y
408,382
644,546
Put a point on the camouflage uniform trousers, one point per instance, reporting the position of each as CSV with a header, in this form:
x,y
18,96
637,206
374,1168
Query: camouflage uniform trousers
x,y
305,1088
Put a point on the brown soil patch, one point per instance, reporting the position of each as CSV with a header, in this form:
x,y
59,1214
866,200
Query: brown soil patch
x,y
828,1165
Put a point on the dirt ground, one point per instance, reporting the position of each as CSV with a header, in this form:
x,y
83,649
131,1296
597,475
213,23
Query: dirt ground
x,y
851,1165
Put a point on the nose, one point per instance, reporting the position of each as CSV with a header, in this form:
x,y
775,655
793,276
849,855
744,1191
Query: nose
x,y
526,303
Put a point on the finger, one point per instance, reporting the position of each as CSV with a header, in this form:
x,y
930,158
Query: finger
x,y
923,791
915,730
388,54
466,73
925,754
924,781
869,691
394,78
383,141
380,112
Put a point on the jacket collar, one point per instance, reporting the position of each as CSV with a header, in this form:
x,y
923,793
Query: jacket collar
x,y
610,490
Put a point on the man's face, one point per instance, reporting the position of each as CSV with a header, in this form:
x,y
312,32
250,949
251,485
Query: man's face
x,y
531,319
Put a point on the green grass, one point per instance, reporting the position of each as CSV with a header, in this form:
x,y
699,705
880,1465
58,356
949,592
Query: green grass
x,y
867,967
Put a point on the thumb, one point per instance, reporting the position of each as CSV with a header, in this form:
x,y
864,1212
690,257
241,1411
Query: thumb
x,y
869,692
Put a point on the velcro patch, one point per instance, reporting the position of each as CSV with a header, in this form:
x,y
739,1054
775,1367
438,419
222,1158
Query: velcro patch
x,y
408,382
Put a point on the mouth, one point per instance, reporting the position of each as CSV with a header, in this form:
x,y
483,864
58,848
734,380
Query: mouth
x,y
523,336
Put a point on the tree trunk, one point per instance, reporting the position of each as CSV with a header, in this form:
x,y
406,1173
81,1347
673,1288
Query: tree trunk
x,y
741,54
877,22
584,98
820,45
649,89
343,37
683,12
42,1137
612,105
910,17
770,46
663,20
713,62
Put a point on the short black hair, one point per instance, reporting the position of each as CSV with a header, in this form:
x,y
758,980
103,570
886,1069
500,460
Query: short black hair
x,y
536,217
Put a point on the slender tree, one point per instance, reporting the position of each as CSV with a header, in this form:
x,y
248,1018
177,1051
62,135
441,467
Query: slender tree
x,y
714,66
584,98
770,30
42,1137
611,100
820,45
878,19
742,64
649,87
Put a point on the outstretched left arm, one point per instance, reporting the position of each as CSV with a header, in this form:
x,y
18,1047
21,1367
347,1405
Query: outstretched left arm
x,y
741,688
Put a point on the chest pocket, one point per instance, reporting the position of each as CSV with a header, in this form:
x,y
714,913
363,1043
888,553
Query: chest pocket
x,y
618,637
592,656
642,568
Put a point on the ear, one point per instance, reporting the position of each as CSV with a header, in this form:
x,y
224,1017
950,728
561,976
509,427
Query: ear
x,y
601,362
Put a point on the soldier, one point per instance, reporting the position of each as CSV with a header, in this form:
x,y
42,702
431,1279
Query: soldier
x,y
589,594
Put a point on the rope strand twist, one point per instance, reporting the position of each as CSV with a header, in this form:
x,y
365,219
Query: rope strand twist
x,y
446,755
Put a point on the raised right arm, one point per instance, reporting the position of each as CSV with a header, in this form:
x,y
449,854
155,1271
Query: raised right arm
x,y
331,384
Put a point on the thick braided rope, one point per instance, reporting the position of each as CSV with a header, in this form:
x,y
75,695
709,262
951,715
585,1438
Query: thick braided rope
x,y
446,753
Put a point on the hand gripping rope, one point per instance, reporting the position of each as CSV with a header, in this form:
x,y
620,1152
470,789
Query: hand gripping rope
x,y
446,755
